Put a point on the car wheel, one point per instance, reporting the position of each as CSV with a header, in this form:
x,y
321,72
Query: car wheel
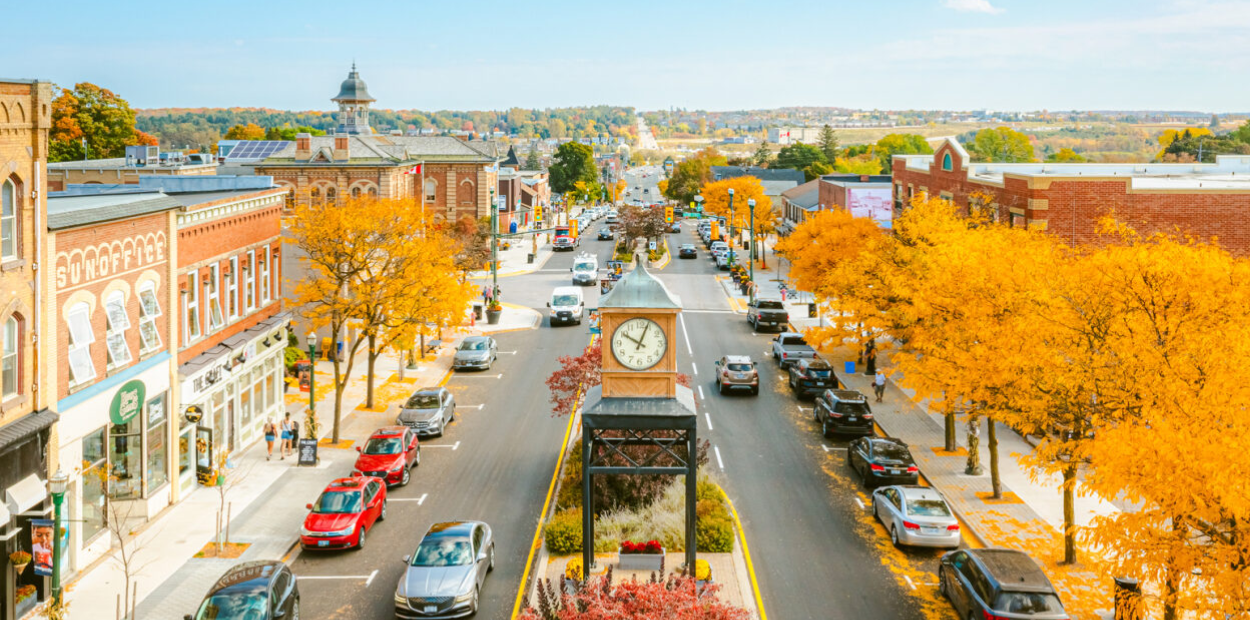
x,y
942,582
791,380
864,479
491,559
403,482
755,391
720,387
295,609
473,603
382,515
894,535
360,538
417,461
824,430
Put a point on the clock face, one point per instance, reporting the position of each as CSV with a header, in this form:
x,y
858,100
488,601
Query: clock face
x,y
639,344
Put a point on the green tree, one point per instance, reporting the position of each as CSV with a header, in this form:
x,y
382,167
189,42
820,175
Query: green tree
x,y
799,156
816,170
94,115
900,144
533,161
864,164
1002,144
828,142
1065,155
763,155
572,162
251,131
693,173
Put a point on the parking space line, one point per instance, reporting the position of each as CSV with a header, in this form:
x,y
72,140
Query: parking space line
x,y
833,448
709,421
700,391
694,368
909,582
476,376
718,461
861,503
685,333
419,500
505,352
478,407
441,445
367,578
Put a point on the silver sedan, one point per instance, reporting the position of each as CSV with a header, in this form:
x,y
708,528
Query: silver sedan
x,y
477,352
443,578
428,411
917,516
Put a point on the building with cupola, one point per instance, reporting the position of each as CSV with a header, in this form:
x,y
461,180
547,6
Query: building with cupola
x,y
451,178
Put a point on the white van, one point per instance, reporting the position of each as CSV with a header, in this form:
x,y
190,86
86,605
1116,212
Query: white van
x,y
585,269
566,305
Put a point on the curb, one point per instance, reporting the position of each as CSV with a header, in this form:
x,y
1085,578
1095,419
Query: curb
x,y
746,553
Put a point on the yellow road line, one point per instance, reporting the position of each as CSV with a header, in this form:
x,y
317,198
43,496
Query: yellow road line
x,y
746,552
538,532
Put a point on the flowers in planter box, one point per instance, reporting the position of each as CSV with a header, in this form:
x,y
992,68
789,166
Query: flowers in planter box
x,y
651,546
702,570
25,592
573,569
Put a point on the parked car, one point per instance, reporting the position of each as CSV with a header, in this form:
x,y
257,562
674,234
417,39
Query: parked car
x,y
478,352
263,590
917,516
687,250
882,460
737,372
725,260
767,313
789,347
390,453
428,411
444,576
344,511
998,583
605,233
843,412
717,247
675,227
811,377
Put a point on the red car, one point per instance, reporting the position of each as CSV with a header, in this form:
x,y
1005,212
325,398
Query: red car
x,y
343,513
389,454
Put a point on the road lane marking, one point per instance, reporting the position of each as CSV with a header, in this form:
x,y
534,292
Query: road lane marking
x,y
746,554
476,376
862,507
700,391
688,310
709,421
909,582
694,368
478,407
718,461
365,577
442,445
802,408
371,576
505,352
686,334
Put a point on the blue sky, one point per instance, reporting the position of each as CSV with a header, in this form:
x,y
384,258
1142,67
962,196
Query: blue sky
x,y
482,54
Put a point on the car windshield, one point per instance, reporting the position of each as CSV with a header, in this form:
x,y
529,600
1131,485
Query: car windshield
x,y
739,367
927,508
443,552
422,401
1027,603
473,345
887,450
584,266
338,503
564,300
384,445
687,246
819,373
770,305
233,605
851,408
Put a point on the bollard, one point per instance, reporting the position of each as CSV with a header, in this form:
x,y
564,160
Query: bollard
x,y
1127,599
811,311
529,258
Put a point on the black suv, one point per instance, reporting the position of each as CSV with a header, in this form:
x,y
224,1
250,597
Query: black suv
x,y
811,377
998,583
843,412
882,460
264,590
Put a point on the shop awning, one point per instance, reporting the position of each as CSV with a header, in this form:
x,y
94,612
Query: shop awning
x,y
26,426
26,494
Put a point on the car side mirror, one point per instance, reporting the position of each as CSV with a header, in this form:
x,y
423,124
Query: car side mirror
x,y
570,269
279,613
308,506
548,304
358,449
407,559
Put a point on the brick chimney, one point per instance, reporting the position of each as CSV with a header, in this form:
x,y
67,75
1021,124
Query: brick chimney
x,y
340,148
303,146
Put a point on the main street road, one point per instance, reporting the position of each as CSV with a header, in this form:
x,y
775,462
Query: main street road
x,y
494,464
816,551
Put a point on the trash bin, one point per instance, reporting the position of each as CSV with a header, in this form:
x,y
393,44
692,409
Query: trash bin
x,y
849,368
811,310
477,312
529,258
745,286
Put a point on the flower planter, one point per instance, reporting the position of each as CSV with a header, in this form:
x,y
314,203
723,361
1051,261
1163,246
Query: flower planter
x,y
641,561
492,316
20,568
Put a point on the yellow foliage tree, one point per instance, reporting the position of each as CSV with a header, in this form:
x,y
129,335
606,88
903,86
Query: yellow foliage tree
x,y
716,202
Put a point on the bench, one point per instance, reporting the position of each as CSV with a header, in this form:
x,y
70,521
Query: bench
x,y
431,347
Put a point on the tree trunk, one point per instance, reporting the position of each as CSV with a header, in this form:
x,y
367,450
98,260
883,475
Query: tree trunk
x,y
338,400
399,353
373,356
951,443
1069,514
422,346
995,482
973,466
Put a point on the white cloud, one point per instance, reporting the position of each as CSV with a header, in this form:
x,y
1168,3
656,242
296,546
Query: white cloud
x,y
972,6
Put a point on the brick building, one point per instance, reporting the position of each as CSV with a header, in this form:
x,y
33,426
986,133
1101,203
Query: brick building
x,y
1206,200
452,178
141,161
865,195
26,424
109,368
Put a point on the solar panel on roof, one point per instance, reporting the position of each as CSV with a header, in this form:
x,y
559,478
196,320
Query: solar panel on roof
x,y
257,149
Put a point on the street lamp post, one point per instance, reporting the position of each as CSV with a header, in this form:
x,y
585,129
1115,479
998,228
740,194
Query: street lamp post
x,y
731,226
698,201
751,208
494,248
312,375
56,486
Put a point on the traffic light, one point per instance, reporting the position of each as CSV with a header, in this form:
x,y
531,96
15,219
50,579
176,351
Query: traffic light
x,y
668,214
538,213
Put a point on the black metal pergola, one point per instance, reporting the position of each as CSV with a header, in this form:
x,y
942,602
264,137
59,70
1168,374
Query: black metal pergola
x,y
666,426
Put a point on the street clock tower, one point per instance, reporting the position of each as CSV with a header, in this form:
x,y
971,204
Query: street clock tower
x,y
638,318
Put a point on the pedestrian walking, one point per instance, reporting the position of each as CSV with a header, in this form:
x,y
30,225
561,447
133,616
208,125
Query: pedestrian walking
x,y
294,436
878,385
269,437
870,360
286,434
486,294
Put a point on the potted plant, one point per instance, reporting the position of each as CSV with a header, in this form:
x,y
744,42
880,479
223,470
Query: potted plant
x,y
25,596
493,312
19,559
573,573
641,556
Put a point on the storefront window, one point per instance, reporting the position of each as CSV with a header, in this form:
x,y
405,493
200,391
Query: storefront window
x,y
218,416
258,391
126,459
245,399
158,447
269,387
92,485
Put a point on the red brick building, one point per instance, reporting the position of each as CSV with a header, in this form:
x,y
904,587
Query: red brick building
x,y
1209,201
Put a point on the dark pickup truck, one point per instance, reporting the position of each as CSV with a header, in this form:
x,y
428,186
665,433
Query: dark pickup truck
x,y
767,313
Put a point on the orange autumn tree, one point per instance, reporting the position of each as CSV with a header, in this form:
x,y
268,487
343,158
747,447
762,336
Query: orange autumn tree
x,y
716,202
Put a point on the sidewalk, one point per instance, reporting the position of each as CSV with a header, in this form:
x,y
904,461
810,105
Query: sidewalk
x,y
514,260
266,516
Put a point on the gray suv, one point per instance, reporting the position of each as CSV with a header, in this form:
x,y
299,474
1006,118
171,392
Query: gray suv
x,y
737,372
428,411
998,583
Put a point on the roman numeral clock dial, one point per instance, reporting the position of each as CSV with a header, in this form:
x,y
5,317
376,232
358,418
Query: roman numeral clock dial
x,y
639,344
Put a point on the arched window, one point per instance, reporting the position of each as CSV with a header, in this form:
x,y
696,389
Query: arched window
x,y
8,220
330,195
946,161
355,192
314,196
9,360
373,192
431,190
290,198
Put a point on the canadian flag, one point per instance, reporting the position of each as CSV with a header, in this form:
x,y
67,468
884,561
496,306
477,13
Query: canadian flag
x,y
414,170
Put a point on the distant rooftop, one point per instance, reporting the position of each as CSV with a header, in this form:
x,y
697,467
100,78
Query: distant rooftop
x,y
763,174
71,211
82,204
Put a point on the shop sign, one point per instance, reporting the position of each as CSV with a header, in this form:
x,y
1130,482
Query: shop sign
x,y
193,414
82,266
127,402
207,379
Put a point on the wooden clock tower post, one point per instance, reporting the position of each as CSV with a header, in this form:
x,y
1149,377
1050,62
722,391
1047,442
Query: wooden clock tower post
x,y
639,421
